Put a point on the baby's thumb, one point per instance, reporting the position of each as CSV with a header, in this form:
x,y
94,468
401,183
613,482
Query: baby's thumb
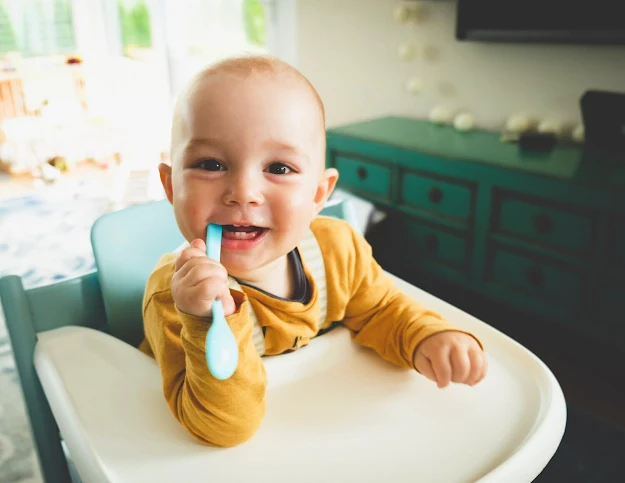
x,y
199,244
228,303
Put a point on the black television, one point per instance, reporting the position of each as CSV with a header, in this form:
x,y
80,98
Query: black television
x,y
542,21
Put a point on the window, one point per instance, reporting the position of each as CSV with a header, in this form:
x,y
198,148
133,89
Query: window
x,y
135,26
215,27
199,32
8,42
254,21
36,27
200,19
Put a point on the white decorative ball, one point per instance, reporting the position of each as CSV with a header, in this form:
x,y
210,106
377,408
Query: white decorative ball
x,y
407,51
578,134
441,115
464,121
519,123
408,12
401,13
549,126
414,85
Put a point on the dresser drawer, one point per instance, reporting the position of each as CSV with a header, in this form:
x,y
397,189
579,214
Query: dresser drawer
x,y
429,245
539,222
366,177
618,241
443,197
534,282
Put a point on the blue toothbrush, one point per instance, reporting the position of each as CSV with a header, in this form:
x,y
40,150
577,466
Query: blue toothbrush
x,y
222,352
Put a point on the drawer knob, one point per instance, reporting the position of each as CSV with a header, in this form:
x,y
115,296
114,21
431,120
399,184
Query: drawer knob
x,y
435,195
543,224
362,173
431,243
534,276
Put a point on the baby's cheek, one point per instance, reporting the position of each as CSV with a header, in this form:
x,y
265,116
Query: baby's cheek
x,y
293,207
195,221
301,197
299,211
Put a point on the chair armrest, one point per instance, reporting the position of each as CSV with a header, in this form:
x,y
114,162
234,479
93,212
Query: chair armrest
x,y
101,391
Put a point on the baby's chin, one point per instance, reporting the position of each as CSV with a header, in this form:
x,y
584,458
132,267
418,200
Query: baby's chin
x,y
239,271
248,268
242,268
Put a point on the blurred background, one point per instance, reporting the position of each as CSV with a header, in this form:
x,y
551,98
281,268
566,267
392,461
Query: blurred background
x,y
94,80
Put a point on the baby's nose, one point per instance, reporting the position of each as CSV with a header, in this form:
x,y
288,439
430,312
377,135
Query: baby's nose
x,y
244,190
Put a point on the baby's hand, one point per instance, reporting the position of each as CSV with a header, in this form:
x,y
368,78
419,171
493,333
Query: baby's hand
x,y
451,357
198,281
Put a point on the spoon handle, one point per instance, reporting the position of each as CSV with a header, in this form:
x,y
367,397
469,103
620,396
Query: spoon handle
x,y
213,241
222,353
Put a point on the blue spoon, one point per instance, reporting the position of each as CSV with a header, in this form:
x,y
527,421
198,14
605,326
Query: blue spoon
x,y
222,352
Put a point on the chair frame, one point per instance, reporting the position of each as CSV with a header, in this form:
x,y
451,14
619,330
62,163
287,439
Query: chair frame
x,y
76,301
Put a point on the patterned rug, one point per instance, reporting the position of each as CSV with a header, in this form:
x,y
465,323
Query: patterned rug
x,y
43,239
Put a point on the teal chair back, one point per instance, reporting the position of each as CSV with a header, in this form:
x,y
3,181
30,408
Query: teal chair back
x,y
126,246
339,208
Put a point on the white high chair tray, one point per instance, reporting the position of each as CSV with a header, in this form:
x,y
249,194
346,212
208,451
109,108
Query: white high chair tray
x,y
335,412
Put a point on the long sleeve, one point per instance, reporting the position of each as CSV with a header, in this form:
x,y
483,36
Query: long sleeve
x,y
380,316
214,412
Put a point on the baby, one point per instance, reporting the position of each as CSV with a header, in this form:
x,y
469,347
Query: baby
x,y
248,153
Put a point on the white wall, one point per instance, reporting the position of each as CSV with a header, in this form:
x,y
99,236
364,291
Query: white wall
x,y
348,49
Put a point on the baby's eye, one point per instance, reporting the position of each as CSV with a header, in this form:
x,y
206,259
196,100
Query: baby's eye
x,y
211,165
278,168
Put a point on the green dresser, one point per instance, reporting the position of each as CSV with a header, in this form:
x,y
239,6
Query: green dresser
x,y
543,233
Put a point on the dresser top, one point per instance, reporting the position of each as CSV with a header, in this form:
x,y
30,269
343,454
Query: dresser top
x,y
564,162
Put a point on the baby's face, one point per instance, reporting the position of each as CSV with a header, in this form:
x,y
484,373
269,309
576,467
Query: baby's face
x,y
249,154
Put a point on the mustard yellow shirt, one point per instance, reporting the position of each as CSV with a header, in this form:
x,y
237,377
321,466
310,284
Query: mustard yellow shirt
x,y
359,295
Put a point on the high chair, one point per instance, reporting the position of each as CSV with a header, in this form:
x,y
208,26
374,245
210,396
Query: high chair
x,y
335,411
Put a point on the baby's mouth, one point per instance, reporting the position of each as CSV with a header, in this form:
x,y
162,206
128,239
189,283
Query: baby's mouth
x,y
240,232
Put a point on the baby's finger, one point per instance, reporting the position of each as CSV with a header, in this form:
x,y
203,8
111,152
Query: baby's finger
x,y
460,364
189,265
187,254
199,244
207,291
202,269
424,366
477,363
484,366
481,363
228,302
442,367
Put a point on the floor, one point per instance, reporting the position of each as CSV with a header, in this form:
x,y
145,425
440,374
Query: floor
x,y
84,174
121,183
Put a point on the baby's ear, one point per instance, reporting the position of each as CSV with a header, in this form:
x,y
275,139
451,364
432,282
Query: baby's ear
x,y
164,170
325,188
